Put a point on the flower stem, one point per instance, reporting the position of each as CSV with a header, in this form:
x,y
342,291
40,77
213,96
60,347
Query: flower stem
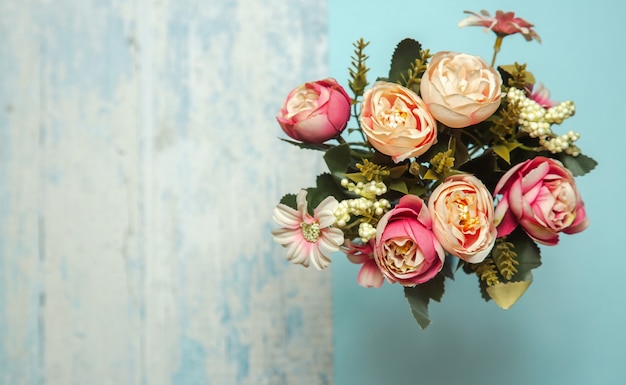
x,y
496,48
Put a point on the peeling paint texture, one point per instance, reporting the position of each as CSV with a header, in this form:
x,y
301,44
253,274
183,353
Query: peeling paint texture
x,y
139,167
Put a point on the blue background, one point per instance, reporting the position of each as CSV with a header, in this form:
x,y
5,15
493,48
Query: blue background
x,y
569,326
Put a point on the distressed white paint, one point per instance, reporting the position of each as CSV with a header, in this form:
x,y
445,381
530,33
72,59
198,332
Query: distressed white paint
x,y
139,167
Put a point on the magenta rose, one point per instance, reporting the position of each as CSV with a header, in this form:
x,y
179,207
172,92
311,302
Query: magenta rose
x,y
315,112
541,196
406,250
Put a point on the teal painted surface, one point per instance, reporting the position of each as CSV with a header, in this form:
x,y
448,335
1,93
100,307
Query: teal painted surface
x,y
569,326
139,168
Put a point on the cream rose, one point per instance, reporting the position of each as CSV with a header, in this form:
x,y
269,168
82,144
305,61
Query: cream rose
x,y
396,121
460,89
463,217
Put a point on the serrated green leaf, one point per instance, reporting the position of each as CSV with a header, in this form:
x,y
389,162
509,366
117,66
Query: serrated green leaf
x,y
435,287
326,185
308,146
338,159
528,254
289,200
404,55
399,185
578,165
419,296
418,301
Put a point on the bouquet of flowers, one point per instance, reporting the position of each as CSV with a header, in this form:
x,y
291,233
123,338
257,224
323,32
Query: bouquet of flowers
x,y
454,165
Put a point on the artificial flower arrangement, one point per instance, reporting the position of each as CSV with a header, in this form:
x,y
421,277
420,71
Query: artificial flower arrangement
x,y
456,167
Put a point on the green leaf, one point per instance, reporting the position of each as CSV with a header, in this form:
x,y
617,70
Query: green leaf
x,y
578,165
404,55
503,152
398,171
510,69
356,177
418,301
420,295
289,200
308,146
448,270
461,154
528,254
399,185
431,175
338,159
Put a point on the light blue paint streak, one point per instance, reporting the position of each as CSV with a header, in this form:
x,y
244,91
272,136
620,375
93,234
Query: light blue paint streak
x,y
192,368
90,54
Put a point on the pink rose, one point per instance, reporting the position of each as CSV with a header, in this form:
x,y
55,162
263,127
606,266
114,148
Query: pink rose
x,y
460,90
363,254
463,217
540,194
503,24
315,112
396,121
406,250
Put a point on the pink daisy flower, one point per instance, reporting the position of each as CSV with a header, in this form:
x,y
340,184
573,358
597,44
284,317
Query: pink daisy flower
x,y
308,239
503,24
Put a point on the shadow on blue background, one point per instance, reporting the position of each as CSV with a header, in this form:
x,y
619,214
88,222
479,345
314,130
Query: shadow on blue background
x,y
569,326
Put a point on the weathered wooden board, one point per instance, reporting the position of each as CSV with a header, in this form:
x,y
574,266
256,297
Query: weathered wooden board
x,y
139,168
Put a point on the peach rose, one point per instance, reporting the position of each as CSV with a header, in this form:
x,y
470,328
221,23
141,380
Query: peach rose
x,y
396,121
406,250
540,195
460,89
463,217
315,112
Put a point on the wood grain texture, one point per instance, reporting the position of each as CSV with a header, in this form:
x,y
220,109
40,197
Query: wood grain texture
x,y
139,168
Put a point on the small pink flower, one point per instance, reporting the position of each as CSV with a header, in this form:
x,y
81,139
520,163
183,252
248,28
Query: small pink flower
x,y
540,195
315,112
541,96
503,24
406,249
363,254
308,239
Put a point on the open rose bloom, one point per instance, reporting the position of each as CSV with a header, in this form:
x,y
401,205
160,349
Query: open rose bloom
x,y
397,122
463,217
315,112
541,196
406,250
460,90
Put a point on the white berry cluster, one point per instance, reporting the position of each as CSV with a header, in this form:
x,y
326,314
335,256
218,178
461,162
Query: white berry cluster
x,y
537,122
366,206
